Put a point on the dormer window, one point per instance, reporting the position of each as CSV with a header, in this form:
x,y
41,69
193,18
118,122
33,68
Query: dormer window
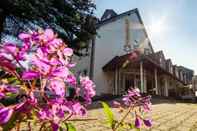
x,y
109,15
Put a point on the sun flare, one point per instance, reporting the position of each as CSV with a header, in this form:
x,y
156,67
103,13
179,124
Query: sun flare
x,y
157,27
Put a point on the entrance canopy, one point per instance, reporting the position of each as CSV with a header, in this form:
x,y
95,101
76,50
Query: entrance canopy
x,y
149,63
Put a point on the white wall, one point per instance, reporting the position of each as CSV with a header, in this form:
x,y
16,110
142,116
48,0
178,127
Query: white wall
x,y
110,44
83,62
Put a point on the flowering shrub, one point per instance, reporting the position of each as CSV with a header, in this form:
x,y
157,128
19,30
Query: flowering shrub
x,y
42,66
133,103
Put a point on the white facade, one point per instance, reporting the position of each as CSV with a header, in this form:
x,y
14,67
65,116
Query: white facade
x,y
110,43
118,36
83,62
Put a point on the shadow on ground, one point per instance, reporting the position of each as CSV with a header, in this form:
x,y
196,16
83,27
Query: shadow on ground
x,y
155,100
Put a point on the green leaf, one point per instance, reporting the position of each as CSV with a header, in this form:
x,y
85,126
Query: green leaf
x,y
132,126
109,113
61,129
68,127
13,80
137,129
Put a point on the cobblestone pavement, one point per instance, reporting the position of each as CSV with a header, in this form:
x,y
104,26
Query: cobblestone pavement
x,y
166,117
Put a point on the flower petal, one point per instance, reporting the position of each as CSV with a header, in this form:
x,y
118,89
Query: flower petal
x,y
10,48
49,34
29,75
7,64
147,122
5,114
55,126
68,52
24,36
2,95
58,87
138,122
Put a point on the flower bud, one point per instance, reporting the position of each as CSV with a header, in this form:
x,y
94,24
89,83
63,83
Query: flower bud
x,y
5,114
138,122
116,104
147,122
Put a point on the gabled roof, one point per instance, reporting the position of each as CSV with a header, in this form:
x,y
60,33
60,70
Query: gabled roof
x,y
119,16
155,56
185,69
108,14
169,65
160,53
169,61
115,17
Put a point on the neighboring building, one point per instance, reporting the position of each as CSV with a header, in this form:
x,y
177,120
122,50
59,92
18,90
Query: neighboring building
x,y
194,84
186,74
110,64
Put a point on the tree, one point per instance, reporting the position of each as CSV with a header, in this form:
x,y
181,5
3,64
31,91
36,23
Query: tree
x,y
72,19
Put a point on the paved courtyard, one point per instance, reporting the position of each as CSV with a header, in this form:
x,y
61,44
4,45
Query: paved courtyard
x,y
167,116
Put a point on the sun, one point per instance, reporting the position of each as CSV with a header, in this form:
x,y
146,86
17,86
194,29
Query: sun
x,y
157,27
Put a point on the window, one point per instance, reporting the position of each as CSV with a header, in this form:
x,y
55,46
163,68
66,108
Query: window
x,y
160,60
147,51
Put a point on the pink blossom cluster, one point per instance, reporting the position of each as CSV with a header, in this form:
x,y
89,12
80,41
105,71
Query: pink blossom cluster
x,y
134,99
45,79
138,105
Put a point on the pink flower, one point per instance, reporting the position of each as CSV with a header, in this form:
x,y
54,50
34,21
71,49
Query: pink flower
x,y
45,114
71,80
138,122
12,89
55,126
79,109
13,50
61,72
5,114
10,48
71,65
68,52
58,87
147,122
7,64
134,92
61,58
8,89
41,53
29,75
49,60
48,35
88,88
116,104
2,95
131,97
43,66
54,45
24,36
25,47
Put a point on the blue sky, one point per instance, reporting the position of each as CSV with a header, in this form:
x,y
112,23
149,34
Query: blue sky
x,y
171,25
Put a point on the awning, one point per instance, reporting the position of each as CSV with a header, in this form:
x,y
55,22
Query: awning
x,y
148,63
